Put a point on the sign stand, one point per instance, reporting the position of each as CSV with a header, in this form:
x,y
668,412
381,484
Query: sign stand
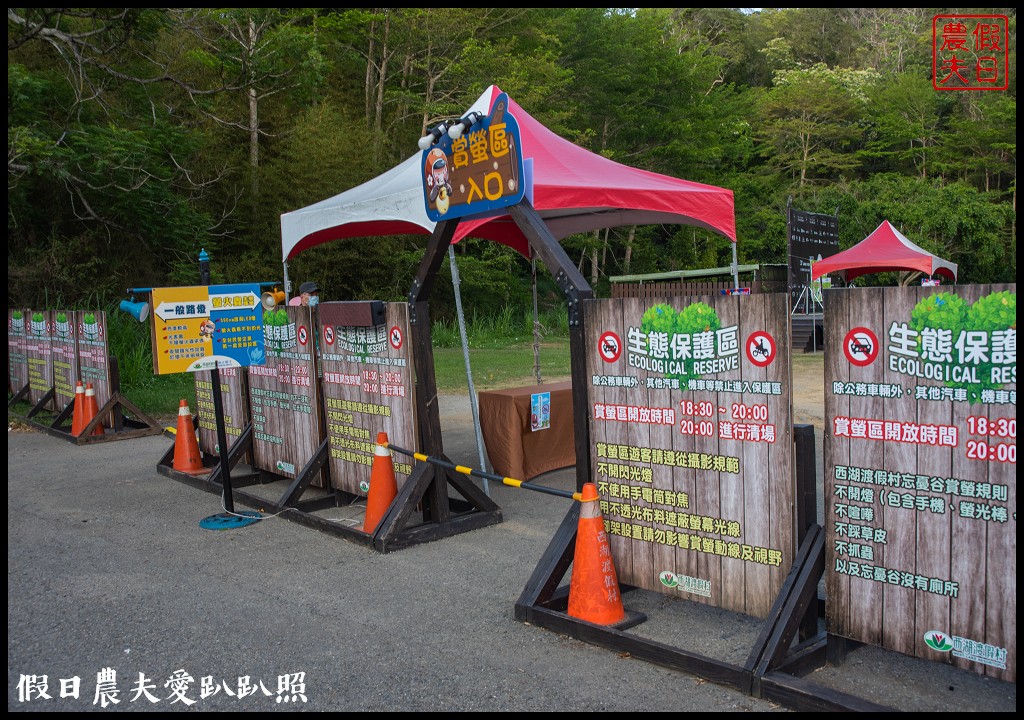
x,y
122,428
228,519
795,611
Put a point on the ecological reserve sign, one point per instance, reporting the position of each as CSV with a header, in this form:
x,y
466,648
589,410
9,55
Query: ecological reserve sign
x,y
368,388
691,432
234,390
284,395
17,363
921,472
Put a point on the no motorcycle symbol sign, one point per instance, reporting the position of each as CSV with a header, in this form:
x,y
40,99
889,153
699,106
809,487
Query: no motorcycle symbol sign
x,y
328,335
761,348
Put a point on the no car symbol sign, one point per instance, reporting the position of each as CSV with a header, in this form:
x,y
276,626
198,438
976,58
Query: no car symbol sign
x,y
610,346
860,346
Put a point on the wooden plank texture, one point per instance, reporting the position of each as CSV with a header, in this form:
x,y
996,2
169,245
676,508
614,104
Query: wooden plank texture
x,y
64,347
38,324
94,353
17,362
368,388
920,453
234,395
691,443
284,397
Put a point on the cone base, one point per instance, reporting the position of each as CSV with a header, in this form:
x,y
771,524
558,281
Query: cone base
x,y
632,618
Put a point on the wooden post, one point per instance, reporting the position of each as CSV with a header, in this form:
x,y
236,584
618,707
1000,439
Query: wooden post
x,y
436,498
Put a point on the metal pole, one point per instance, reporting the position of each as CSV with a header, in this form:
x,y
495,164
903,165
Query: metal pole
x,y
808,304
735,269
222,440
287,283
469,371
536,321
218,406
511,482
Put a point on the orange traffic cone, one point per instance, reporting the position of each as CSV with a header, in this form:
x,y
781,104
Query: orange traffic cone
x,y
186,447
92,407
79,411
594,588
383,486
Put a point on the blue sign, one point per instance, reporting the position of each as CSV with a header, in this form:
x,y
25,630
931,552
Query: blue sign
x,y
237,312
478,171
206,327
540,411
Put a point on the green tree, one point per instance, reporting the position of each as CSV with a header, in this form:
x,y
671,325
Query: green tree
x,y
906,122
98,168
810,124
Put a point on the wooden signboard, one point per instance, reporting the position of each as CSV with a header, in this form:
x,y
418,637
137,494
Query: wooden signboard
x,y
38,324
921,472
17,362
234,393
368,388
691,431
284,395
64,345
94,353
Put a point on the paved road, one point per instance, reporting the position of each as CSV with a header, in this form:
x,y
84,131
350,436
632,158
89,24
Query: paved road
x,y
108,568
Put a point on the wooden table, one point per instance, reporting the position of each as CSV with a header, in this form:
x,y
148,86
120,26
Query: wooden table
x,y
515,449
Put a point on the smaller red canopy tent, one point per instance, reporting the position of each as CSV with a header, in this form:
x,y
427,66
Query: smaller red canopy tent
x,y
884,250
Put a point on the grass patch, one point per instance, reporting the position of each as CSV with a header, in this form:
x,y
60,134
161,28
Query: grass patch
x,y
511,326
500,367
808,361
501,350
156,395
160,397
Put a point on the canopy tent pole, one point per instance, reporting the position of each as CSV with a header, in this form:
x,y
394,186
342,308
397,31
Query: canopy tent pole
x,y
287,283
735,268
469,371
576,289
536,322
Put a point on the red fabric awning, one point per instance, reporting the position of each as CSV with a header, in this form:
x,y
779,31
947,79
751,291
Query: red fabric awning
x,y
884,250
574,190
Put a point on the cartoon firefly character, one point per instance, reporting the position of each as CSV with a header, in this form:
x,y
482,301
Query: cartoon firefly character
x,y
207,328
436,169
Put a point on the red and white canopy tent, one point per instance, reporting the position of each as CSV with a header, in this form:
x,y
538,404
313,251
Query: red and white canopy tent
x,y
884,250
574,190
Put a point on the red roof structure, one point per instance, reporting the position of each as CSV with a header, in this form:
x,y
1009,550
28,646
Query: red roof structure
x,y
884,250
574,190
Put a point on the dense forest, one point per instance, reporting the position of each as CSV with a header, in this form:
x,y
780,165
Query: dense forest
x,y
138,137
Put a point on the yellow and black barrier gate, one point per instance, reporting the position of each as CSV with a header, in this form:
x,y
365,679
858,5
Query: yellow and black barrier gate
x,y
462,469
